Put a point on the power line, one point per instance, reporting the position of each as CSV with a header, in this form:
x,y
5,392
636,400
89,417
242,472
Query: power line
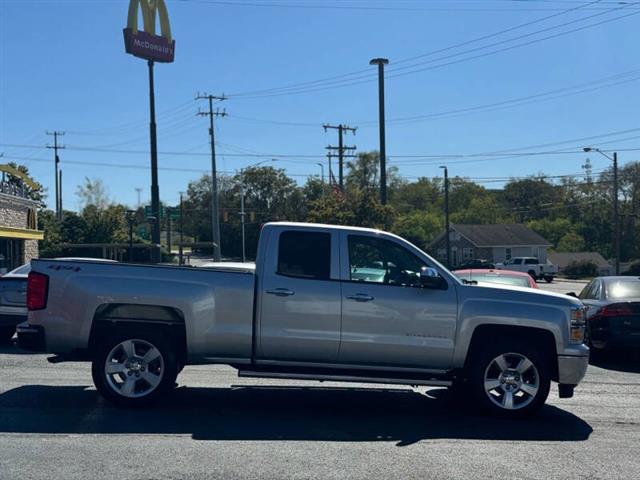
x,y
408,9
558,93
401,61
398,72
517,151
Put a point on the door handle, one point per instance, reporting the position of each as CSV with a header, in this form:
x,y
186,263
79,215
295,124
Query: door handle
x,y
360,297
281,292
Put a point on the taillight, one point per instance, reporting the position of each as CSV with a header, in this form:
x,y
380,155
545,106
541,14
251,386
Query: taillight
x,y
37,291
616,310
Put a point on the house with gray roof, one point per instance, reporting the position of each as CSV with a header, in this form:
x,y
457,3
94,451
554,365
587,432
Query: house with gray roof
x,y
495,243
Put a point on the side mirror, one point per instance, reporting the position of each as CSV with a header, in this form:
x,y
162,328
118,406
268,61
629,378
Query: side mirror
x,y
429,278
572,294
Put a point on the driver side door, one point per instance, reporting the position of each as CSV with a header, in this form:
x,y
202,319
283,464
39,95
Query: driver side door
x,y
388,318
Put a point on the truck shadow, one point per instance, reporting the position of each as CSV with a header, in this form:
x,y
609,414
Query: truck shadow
x,y
278,413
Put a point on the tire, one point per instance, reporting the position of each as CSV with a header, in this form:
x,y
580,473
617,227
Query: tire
x,y
142,368
510,379
548,279
532,274
6,334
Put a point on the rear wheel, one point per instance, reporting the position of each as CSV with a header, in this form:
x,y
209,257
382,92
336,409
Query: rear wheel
x,y
134,369
6,334
510,379
548,279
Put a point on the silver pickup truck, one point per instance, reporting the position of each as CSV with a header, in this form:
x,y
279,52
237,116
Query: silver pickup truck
x,y
321,302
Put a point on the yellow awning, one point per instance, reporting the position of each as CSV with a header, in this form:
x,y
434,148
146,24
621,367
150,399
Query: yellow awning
x,y
21,233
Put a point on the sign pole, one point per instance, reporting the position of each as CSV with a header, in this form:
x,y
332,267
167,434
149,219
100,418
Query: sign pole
x,y
155,190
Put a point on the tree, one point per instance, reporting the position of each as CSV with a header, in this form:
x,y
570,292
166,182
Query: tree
x,y
93,192
37,194
419,227
571,242
531,198
424,195
364,174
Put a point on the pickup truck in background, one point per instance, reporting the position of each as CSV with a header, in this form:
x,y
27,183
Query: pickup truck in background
x,y
532,266
322,302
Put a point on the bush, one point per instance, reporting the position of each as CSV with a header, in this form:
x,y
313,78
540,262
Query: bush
x,y
581,269
634,269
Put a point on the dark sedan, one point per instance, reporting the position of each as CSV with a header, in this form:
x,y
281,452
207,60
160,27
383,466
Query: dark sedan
x,y
613,316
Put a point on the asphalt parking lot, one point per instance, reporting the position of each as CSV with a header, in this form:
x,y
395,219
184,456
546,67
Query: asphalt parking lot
x,y
53,424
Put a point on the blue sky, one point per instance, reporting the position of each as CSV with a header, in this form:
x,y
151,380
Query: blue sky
x,y
63,67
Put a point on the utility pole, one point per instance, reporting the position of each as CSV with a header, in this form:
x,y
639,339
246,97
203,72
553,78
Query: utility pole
x,y
381,62
616,213
60,196
242,220
56,159
215,208
341,148
446,215
169,230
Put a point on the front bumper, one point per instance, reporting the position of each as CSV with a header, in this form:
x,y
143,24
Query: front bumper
x,y
572,369
31,337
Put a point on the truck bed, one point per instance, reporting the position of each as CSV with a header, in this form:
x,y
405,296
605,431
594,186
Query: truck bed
x,y
215,304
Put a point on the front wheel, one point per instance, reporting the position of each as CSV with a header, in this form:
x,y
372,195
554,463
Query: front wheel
x,y
510,380
134,369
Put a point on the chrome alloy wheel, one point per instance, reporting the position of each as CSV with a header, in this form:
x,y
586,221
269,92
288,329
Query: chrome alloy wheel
x,y
511,381
134,368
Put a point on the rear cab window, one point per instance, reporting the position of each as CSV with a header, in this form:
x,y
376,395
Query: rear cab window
x,y
304,255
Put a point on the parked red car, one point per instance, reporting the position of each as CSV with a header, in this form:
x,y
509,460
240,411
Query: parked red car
x,y
502,277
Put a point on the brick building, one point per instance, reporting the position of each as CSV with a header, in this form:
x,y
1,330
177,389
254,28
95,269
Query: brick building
x,y
19,233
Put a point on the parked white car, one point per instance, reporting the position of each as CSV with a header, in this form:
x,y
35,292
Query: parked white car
x,y
532,266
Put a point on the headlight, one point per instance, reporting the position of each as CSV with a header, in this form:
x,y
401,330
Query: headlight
x,y
578,324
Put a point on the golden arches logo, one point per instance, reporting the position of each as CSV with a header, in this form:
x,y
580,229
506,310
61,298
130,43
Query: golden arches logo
x,y
146,44
149,9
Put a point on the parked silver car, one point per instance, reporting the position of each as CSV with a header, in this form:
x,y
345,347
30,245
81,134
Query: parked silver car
x,y
13,297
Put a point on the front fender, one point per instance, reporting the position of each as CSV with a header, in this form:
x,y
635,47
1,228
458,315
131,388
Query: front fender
x,y
514,308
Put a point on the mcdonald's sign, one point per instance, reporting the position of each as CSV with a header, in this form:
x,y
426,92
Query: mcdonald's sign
x,y
146,44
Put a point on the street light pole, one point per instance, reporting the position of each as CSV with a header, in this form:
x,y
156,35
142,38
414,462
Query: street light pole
x,y
381,62
321,172
131,220
180,251
155,190
446,214
616,212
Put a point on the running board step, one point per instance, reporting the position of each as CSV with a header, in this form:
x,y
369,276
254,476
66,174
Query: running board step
x,y
324,377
